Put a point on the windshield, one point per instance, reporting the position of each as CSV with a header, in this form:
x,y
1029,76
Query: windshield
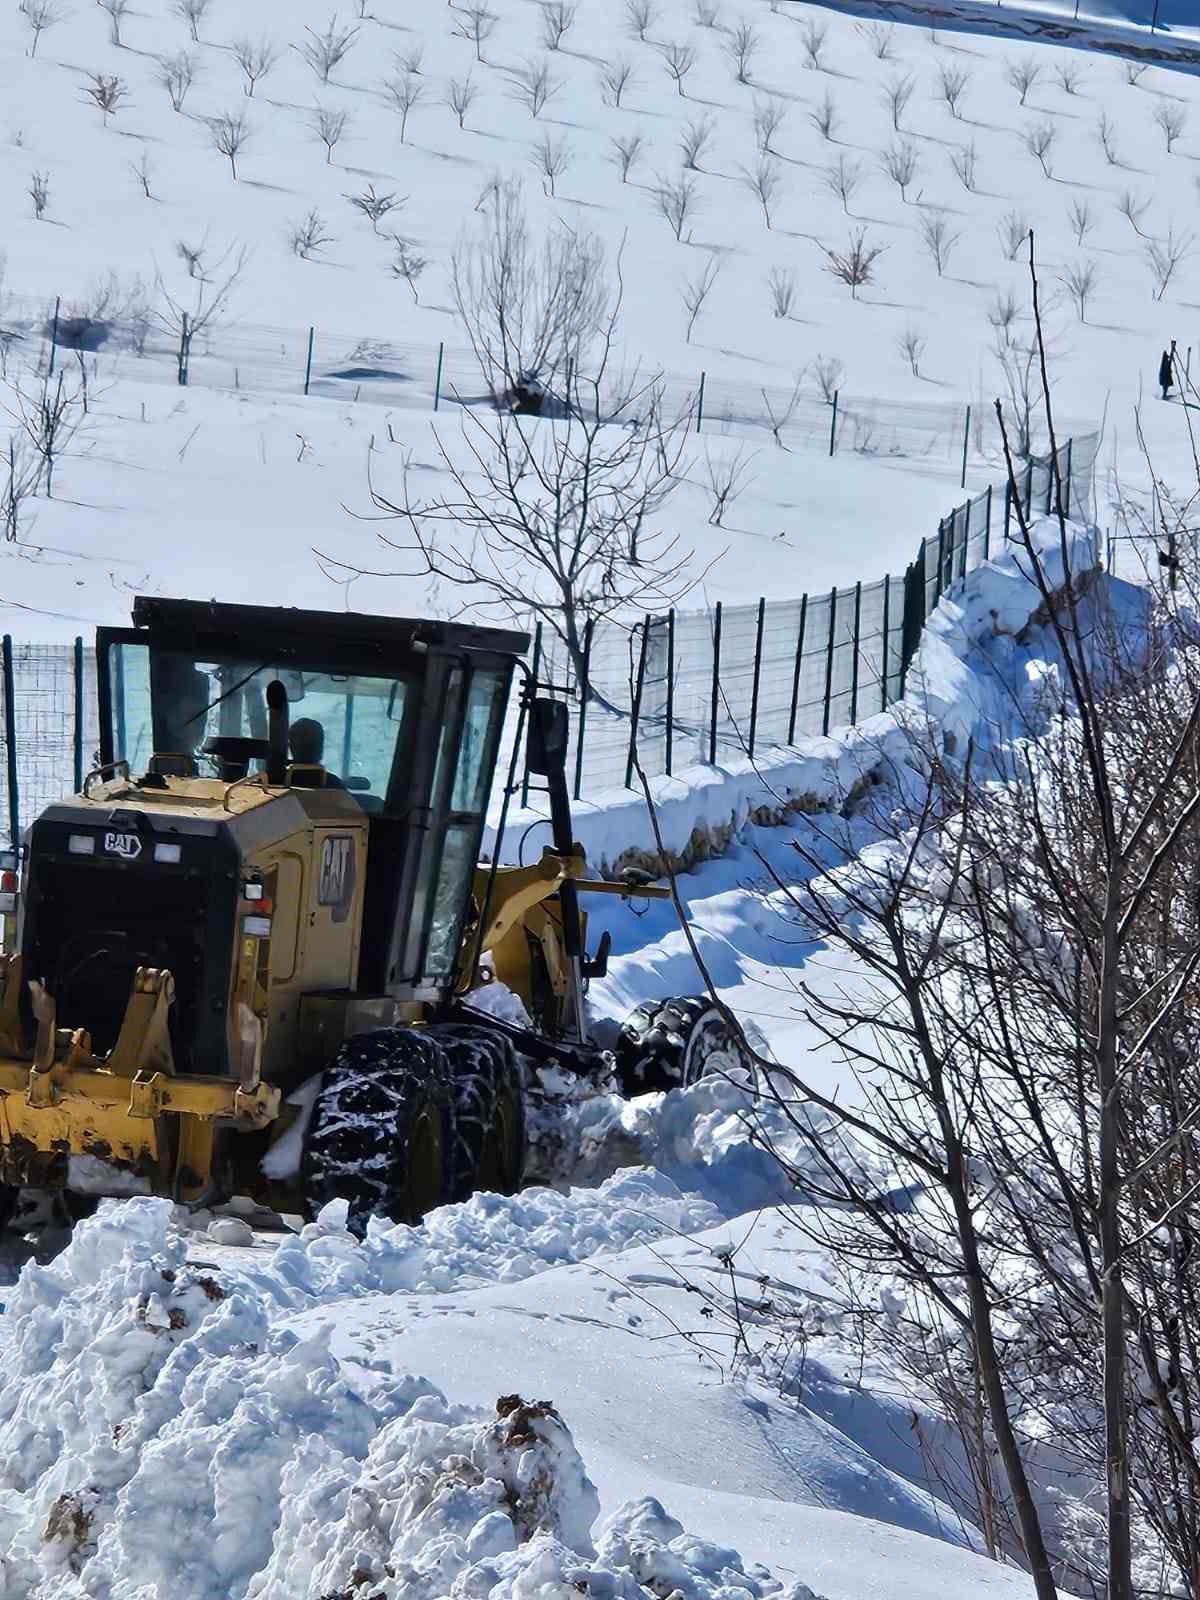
x,y
168,704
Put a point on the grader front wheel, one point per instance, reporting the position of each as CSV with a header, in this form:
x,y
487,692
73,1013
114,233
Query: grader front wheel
x,y
672,1044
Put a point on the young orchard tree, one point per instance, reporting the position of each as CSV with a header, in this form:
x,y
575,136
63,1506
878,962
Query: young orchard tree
x,y
769,116
117,11
558,18
1040,140
824,116
532,85
842,179
40,15
952,83
375,207
679,60
109,93
176,74
1106,136
627,151
855,264
255,60
1013,230
938,240
764,182
408,265
707,13
616,78
20,474
911,345
898,91
143,173
184,322
551,157
1079,280
461,95
695,291
308,236
1164,256
406,92
229,134
880,36
324,52
1003,314
49,410
677,199
328,127
741,47
965,162
813,34
553,514
1171,119
193,13
781,285
1134,71
900,162
828,371
1070,76
39,193
779,411
409,61
1133,210
192,256
477,24
641,15
726,476
1023,74
694,142
1081,218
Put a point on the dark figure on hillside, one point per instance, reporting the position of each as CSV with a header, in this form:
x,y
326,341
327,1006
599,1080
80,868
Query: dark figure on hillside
x,y
1166,373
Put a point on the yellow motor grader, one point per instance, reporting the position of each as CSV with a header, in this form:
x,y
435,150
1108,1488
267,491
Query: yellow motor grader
x,y
253,955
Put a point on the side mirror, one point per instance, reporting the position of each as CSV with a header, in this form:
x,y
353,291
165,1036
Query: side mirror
x,y
548,737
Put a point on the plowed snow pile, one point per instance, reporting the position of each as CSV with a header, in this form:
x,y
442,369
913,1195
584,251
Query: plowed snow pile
x,y
160,1437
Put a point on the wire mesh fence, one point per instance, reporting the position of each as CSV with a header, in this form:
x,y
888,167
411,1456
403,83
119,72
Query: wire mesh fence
x,y
680,688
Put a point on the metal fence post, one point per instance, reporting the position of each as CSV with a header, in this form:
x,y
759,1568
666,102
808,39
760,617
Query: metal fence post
x,y
1029,489
941,556
312,334
670,688
758,644
796,669
716,685
987,527
829,658
78,742
854,661
1067,496
700,402
54,333
966,442
535,668
585,689
833,424
887,603
636,710
1007,505
437,382
10,740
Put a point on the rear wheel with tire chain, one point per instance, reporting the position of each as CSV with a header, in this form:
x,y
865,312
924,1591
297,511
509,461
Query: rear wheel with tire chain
x,y
488,1152
382,1129
670,1044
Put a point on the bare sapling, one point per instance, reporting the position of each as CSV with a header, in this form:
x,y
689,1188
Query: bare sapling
x,y
727,476
558,18
1133,209
769,116
376,207
694,142
1003,314
781,285
627,151
965,162
551,156
409,61
842,179
952,83
880,36
324,52
193,13
40,15
824,116
911,345
813,35
616,79
1069,76
1022,74
1164,256
696,290
308,236
117,11
1081,218
184,323
328,127
143,173
898,91
707,13
177,73
108,92
679,60
938,239
1134,71
408,265
405,91
764,182
677,199
461,95
49,409
854,265
533,86
1040,140
780,408
1079,280
256,61
477,23
640,16
39,193
192,256
742,46
828,371
1013,230
1171,119
229,134
900,162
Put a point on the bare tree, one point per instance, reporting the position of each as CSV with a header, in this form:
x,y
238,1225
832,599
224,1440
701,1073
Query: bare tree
x,y
781,282
22,471
965,162
727,476
1013,229
641,15
477,24
1106,136
1040,140
898,91
192,256
769,115
742,46
176,74
308,236
780,413
813,34
255,60
324,52
1003,314
899,162
558,18
1069,75
461,95
406,93
185,323
1171,118
117,11
1023,74
880,37
108,92
375,207
49,411
1079,279
677,201
40,15
911,345
764,182
952,82
615,78
328,128
193,13
1163,256
1133,210
678,59
1081,218
627,151
143,173
695,291
695,140
828,371
228,135
1135,71
408,265
409,61
824,116
551,156
707,13
855,264
39,193
533,86
842,179
938,239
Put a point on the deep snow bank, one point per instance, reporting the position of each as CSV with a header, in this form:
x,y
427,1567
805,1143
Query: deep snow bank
x,y
158,1437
